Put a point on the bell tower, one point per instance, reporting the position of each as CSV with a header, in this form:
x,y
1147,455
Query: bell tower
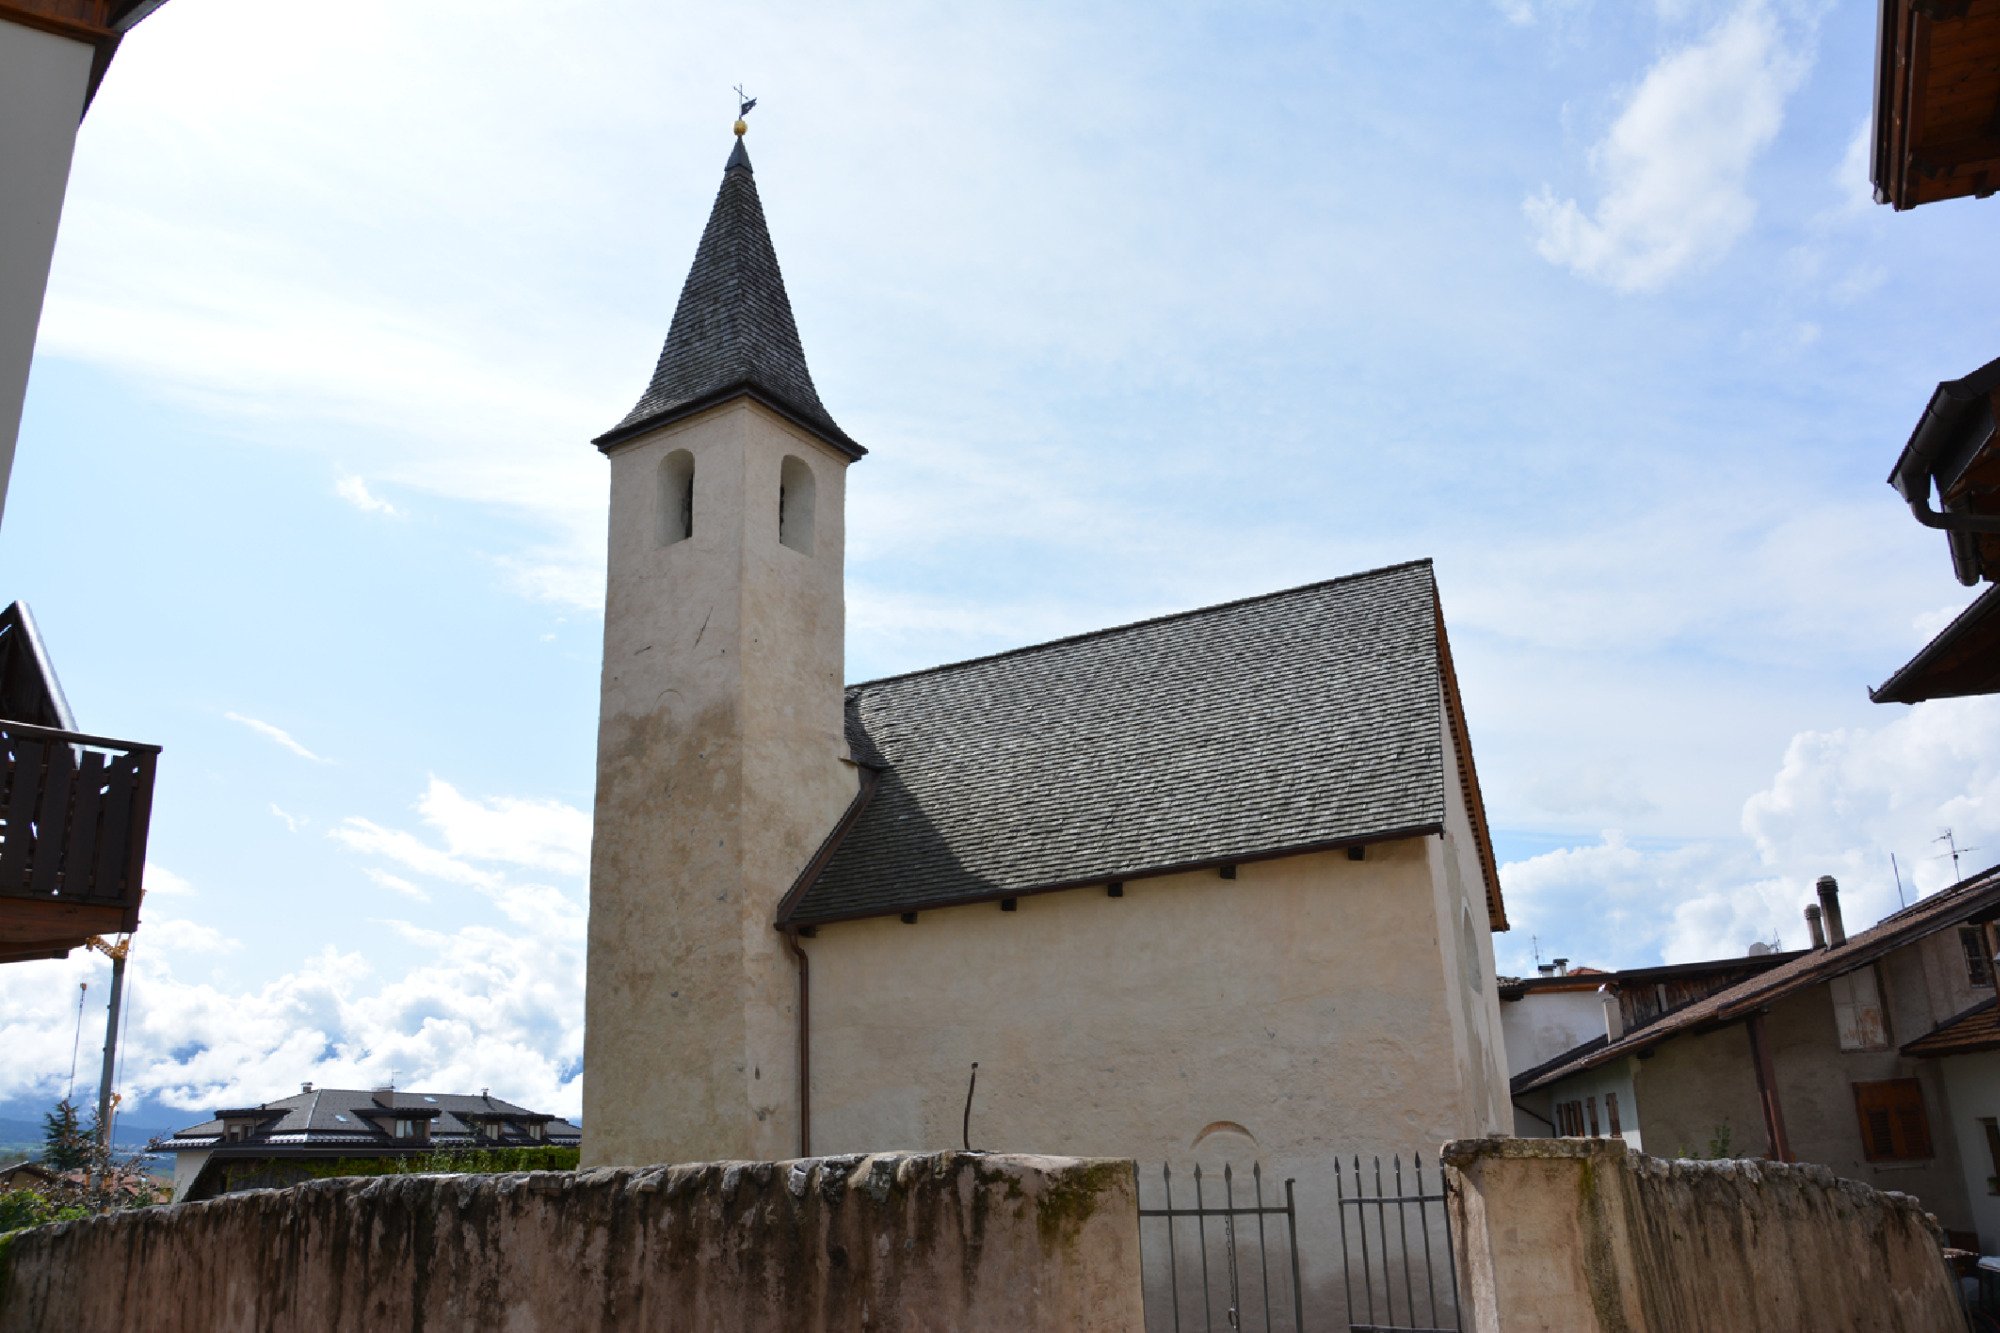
x,y
722,761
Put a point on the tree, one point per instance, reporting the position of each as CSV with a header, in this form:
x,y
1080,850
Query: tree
x,y
69,1144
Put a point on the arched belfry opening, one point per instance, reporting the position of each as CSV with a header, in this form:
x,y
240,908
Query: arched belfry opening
x,y
795,504
676,497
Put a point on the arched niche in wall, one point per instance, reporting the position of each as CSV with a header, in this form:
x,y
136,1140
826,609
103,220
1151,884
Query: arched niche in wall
x,y
676,497
795,504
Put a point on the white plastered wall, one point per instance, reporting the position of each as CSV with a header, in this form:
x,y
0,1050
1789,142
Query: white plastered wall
x,y
722,764
43,79
1466,954
1972,1091
1287,1015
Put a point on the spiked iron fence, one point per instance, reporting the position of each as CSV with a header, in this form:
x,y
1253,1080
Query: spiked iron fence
x,y
1393,1252
1232,1260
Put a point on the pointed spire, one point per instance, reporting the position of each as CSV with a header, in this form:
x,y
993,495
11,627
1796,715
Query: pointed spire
x,y
733,332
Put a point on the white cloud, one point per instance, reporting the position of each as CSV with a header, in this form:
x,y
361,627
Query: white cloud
x,y
277,735
542,835
1851,178
397,884
355,491
1675,166
1523,13
483,1006
163,883
1841,803
406,849
293,823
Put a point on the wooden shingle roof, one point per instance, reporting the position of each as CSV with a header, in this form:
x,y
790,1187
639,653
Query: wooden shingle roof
x,y
733,332
1301,720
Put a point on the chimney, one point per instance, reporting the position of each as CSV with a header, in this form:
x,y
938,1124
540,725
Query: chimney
x,y
1562,967
1547,969
386,1095
1812,924
1829,906
305,1087
1614,1013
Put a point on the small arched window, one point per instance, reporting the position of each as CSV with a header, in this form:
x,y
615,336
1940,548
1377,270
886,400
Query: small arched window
x,y
795,504
676,497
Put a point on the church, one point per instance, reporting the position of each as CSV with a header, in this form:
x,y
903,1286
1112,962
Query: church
x,y
1215,886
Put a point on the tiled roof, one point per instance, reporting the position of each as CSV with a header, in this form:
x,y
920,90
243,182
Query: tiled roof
x,y
351,1116
1302,719
1522,1081
733,331
1977,897
1977,1029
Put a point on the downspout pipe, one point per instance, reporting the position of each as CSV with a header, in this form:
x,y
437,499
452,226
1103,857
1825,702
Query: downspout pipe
x,y
805,1039
1779,1145
1920,505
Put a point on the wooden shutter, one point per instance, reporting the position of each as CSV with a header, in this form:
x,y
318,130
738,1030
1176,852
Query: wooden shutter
x,y
1894,1127
1611,1112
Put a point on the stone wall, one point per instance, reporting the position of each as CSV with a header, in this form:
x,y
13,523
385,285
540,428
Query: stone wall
x,y
951,1240
1586,1235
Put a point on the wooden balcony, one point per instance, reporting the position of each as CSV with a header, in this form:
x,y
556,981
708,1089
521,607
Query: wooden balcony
x,y
74,811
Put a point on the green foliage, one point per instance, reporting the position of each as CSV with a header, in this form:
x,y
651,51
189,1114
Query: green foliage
x,y
449,1161
1719,1147
68,1144
31,1208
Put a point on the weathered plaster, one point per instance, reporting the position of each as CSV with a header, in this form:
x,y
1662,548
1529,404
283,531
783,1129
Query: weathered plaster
x,y
721,766
1581,1234
952,1241
1301,1001
1696,1083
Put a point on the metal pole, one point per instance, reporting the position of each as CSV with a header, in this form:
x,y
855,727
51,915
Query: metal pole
x,y
1292,1230
103,1161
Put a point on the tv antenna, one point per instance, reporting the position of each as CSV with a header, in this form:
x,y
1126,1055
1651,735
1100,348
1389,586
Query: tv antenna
x,y
1954,851
1897,871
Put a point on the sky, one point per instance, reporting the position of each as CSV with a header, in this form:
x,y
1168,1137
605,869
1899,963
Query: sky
x,y
1138,307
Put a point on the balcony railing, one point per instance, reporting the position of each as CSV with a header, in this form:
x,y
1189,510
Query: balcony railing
x,y
74,811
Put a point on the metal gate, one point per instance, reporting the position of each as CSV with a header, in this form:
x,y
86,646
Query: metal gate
x,y
1380,1258
1229,1270
1222,1253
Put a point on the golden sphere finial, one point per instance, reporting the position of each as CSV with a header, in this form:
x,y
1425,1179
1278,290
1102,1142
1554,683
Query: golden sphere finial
x,y
742,127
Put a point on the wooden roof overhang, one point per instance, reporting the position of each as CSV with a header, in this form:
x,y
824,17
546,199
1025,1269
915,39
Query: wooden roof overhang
x,y
1954,454
102,24
1937,101
1964,659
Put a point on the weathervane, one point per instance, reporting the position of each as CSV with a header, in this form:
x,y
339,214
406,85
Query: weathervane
x,y
745,104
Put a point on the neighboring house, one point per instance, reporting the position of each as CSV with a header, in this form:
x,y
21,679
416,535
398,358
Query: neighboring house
x,y
1818,1058
53,54
1937,101
280,1143
1213,886
1937,137
1552,1018
1954,453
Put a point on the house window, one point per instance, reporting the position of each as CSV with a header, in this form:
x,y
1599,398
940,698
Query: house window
x,y
676,497
1893,1125
1992,1128
1857,1011
1611,1113
1978,967
795,504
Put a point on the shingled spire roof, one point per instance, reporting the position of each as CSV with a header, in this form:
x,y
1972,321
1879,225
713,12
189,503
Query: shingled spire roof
x,y
733,332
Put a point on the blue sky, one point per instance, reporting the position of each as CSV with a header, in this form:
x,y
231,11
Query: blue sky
x,y
1138,307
